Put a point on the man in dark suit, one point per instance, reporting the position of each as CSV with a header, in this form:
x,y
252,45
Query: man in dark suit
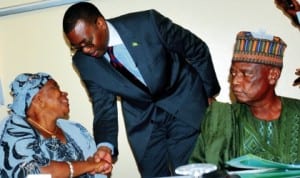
x,y
170,83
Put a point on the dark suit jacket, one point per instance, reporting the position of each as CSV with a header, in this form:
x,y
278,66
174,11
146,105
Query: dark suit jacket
x,y
175,64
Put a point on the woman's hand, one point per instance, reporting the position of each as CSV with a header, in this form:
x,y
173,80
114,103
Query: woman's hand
x,y
104,158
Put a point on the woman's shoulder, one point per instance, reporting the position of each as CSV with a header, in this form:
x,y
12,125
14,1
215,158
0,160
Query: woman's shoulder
x,y
79,134
70,125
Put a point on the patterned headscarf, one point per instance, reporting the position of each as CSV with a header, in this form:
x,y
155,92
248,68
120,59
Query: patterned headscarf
x,y
23,89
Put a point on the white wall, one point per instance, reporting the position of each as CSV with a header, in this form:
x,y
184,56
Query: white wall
x,y
33,41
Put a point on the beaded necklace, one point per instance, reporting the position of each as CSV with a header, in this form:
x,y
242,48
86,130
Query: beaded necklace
x,y
40,127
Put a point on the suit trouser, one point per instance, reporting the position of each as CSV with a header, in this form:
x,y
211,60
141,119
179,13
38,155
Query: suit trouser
x,y
170,146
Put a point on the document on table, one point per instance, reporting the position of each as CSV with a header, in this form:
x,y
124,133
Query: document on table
x,y
263,168
39,176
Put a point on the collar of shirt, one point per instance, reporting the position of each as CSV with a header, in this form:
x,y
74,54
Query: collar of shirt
x,y
114,37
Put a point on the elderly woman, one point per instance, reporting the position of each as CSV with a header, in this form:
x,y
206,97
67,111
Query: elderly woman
x,y
36,137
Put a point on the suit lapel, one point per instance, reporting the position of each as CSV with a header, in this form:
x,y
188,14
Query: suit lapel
x,y
137,51
118,83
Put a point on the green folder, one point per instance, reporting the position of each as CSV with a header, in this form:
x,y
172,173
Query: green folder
x,y
256,167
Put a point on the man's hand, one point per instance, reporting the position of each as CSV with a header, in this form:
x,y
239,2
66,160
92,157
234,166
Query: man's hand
x,y
103,154
290,8
297,81
211,100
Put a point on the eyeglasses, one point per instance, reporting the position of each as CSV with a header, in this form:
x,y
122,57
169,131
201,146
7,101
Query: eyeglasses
x,y
89,39
89,44
85,44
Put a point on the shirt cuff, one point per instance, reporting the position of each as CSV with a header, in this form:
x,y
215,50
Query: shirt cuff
x,y
107,144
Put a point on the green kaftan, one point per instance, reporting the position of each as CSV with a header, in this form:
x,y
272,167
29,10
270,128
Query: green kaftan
x,y
230,131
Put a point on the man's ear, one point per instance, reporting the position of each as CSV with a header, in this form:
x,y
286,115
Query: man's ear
x,y
274,75
100,22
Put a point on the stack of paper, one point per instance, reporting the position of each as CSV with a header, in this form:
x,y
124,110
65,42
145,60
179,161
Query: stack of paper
x,y
256,167
39,176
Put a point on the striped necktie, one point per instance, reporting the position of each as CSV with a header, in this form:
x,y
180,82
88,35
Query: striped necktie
x,y
122,69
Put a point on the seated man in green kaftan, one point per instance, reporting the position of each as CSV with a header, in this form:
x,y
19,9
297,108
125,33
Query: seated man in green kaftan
x,y
259,122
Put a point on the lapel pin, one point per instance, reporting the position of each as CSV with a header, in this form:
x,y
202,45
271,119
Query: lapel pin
x,y
134,43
